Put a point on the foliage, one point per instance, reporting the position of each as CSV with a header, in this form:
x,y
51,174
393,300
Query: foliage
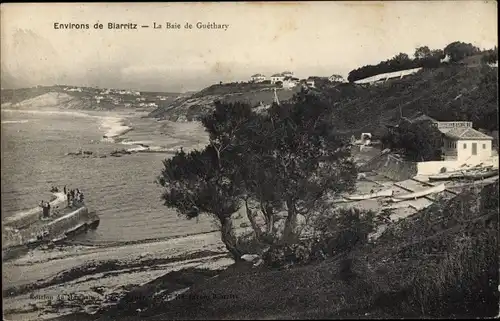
x,y
424,57
459,50
344,229
490,56
418,141
461,272
286,159
422,52
338,232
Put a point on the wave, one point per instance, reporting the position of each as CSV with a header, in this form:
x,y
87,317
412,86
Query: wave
x,y
115,127
47,112
22,121
138,142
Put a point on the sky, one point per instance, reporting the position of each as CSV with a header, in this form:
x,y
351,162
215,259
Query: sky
x,y
310,39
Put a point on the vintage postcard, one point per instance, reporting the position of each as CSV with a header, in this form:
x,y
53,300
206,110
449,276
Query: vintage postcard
x,y
249,160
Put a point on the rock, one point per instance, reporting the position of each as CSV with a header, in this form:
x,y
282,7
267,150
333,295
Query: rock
x,y
250,257
361,175
144,254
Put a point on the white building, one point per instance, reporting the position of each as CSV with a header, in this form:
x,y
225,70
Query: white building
x,y
336,78
381,78
287,74
290,82
277,77
463,143
258,78
310,82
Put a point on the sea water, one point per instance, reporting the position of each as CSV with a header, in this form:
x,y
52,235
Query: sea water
x,y
122,190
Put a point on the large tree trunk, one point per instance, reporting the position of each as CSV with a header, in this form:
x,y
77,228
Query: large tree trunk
x,y
289,232
251,217
267,210
229,239
270,224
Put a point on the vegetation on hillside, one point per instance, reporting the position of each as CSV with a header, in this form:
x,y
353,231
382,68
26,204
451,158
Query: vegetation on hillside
x,y
448,93
441,262
423,57
417,141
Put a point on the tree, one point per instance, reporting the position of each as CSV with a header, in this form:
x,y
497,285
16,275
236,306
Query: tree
x,y
308,160
459,50
422,52
288,159
437,53
490,56
418,141
207,181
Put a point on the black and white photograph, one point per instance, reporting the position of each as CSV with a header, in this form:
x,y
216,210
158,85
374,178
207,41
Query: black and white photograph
x,y
249,160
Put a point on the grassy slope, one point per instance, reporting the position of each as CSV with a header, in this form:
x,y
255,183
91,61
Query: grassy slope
x,y
195,105
442,261
446,93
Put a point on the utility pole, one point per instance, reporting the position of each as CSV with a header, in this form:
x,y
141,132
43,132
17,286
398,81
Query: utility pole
x,y
276,100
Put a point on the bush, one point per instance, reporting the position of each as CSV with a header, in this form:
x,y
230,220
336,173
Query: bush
x,y
344,230
334,234
284,255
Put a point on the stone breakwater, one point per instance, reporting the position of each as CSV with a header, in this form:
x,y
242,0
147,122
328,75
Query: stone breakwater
x,y
68,223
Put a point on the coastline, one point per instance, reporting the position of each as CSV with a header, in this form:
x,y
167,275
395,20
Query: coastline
x,y
65,268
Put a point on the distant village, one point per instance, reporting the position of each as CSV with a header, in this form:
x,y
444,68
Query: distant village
x,y
118,97
287,80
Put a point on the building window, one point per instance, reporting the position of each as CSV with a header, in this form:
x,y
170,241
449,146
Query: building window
x,y
484,146
465,145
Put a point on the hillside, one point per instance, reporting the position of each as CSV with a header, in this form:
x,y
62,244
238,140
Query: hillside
x,y
450,92
447,93
84,98
440,262
191,107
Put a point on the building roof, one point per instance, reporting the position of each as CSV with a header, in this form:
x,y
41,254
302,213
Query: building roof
x,y
277,75
286,72
466,133
258,75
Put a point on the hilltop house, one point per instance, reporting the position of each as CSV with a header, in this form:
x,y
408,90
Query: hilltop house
x,y
277,77
290,82
336,78
281,76
258,78
460,141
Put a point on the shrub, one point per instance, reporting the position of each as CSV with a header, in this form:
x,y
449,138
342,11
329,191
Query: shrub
x,y
284,255
344,230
